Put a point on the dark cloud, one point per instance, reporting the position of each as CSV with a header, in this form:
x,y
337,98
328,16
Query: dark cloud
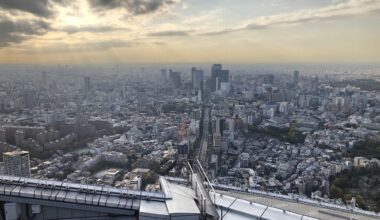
x,y
39,8
135,7
169,34
16,31
92,29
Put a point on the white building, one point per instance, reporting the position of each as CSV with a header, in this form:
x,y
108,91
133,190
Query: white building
x,y
17,163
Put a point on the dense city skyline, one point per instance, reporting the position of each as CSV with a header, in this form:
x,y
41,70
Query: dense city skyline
x,y
175,31
189,109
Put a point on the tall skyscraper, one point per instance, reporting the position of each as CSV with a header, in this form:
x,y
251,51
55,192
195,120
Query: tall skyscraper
x,y
86,84
175,78
215,70
17,163
218,75
29,99
142,98
296,76
197,78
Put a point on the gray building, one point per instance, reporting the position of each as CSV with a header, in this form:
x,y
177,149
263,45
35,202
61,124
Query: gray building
x,y
17,163
218,75
197,78
86,84
296,76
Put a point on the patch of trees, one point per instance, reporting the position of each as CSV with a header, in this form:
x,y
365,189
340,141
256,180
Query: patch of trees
x,y
368,149
174,107
148,178
108,164
361,183
290,135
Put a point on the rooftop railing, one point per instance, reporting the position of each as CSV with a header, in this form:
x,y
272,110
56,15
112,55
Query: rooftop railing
x,y
82,188
298,199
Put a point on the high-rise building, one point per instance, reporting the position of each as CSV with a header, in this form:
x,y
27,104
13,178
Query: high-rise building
x,y
19,137
183,149
215,71
17,163
218,75
86,84
29,99
219,125
217,140
3,135
142,98
197,78
175,78
296,76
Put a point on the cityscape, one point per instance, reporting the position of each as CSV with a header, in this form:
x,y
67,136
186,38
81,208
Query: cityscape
x,y
110,135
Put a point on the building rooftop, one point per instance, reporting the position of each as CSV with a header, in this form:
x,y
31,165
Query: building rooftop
x,y
16,153
177,200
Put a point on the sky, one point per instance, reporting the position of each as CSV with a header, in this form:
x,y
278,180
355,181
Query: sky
x,y
189,31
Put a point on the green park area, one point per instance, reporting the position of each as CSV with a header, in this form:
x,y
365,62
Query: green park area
x,y
361,183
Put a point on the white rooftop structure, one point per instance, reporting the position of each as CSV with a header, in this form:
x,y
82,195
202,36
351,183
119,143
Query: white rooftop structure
x,y
57,200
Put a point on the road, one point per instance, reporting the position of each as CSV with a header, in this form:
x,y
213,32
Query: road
x,y
202,155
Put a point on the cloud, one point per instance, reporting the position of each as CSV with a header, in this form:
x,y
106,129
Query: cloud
x,y
91,29
134,7
16,31
105,45
336,11
80,47
169,33
40,8
159,43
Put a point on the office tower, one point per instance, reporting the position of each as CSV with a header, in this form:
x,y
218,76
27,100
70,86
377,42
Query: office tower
x,y
17,163
29,99
197,78
183,150
175,79
218,75
19,137
339,103
219,125
217,140
296,76
196,114
199,96
142,98
3,135
86,84
215,71
314,83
